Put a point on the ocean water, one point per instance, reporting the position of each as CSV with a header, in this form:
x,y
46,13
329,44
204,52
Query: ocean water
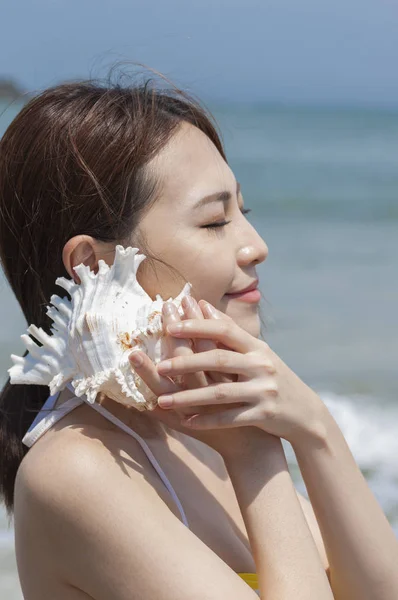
x,y
323,188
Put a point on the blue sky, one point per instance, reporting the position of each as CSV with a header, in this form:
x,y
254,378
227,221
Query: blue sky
x,y
291,51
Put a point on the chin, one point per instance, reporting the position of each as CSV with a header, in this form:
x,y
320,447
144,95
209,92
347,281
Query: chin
x,y
250,323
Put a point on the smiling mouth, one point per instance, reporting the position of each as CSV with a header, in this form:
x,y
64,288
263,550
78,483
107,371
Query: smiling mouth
x,y
252,296
250,288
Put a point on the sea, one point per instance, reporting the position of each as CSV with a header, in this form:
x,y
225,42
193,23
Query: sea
x,y
322,184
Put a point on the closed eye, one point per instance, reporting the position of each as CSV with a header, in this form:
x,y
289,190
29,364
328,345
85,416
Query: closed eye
x,y
218,224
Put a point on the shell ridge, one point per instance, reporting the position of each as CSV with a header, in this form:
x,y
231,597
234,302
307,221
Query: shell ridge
x,y
67,284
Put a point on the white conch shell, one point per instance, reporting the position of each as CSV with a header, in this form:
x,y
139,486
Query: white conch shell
x,y
109,315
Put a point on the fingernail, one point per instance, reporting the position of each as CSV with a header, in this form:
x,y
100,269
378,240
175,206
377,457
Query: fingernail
x,y
168,308
164,366
136,358
211,310
175,327
165,401
187,302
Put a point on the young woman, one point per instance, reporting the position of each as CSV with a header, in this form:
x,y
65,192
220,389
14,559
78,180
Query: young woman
x,y
125,505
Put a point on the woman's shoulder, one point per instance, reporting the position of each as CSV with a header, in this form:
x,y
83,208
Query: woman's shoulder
x,y
66,464
68,483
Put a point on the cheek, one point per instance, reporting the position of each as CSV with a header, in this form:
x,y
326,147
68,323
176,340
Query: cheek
x,y
211,278
209,268
156,278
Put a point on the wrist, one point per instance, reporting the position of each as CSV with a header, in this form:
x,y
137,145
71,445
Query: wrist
x,y
317,432
255,442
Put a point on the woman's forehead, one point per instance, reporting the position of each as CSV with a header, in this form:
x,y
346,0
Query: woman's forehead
x,y
190,167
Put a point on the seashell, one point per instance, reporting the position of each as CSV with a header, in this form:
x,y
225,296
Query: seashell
x,y
108,316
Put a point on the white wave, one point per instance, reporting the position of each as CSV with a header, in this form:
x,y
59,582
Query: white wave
x,y
370,428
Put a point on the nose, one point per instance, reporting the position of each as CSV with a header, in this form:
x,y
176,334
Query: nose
x,y
254,252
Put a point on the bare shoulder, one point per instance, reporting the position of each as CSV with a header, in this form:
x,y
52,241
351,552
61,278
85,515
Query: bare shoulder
x,y
81,447
59,473
112,535
314,527
54,462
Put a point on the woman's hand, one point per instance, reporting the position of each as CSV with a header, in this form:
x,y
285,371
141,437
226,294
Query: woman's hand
x,y
269,395
223,441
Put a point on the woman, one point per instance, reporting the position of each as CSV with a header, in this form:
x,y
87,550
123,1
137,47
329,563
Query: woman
x,y
83,168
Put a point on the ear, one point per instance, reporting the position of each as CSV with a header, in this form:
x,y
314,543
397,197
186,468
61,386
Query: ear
x,y
83,249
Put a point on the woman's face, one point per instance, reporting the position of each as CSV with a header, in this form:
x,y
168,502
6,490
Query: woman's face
x,y
216,261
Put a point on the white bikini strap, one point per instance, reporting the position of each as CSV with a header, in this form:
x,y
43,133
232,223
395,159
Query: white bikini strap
x,y
47,417
108,415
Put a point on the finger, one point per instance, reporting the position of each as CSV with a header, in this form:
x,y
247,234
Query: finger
x,y
220,393
193,311
211,311
146,369
176,347
158,384
172,316
193,380
226,332
224,419
224,361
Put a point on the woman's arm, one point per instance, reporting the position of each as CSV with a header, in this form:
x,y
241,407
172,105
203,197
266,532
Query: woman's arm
x,y
287,560
361,546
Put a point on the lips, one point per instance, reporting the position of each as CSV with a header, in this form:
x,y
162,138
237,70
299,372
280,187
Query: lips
x,y
249,288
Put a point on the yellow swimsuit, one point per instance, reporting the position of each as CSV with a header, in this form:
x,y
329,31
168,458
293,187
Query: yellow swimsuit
x,y
48,416
251,579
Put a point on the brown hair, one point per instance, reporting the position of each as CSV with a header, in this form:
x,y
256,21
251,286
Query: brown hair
x,y
72,162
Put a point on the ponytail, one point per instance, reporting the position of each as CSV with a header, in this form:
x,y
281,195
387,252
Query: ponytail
x,y
18,406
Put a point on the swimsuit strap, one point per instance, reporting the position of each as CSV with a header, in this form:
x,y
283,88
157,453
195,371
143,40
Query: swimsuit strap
x,y
48,416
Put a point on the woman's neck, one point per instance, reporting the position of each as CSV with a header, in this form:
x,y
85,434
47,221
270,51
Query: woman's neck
x,y
141,422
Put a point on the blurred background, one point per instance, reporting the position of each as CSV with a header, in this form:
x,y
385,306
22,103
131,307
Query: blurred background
x,y
306,95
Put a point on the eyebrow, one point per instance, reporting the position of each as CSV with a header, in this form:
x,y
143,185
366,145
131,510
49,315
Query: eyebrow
x,y
217,197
